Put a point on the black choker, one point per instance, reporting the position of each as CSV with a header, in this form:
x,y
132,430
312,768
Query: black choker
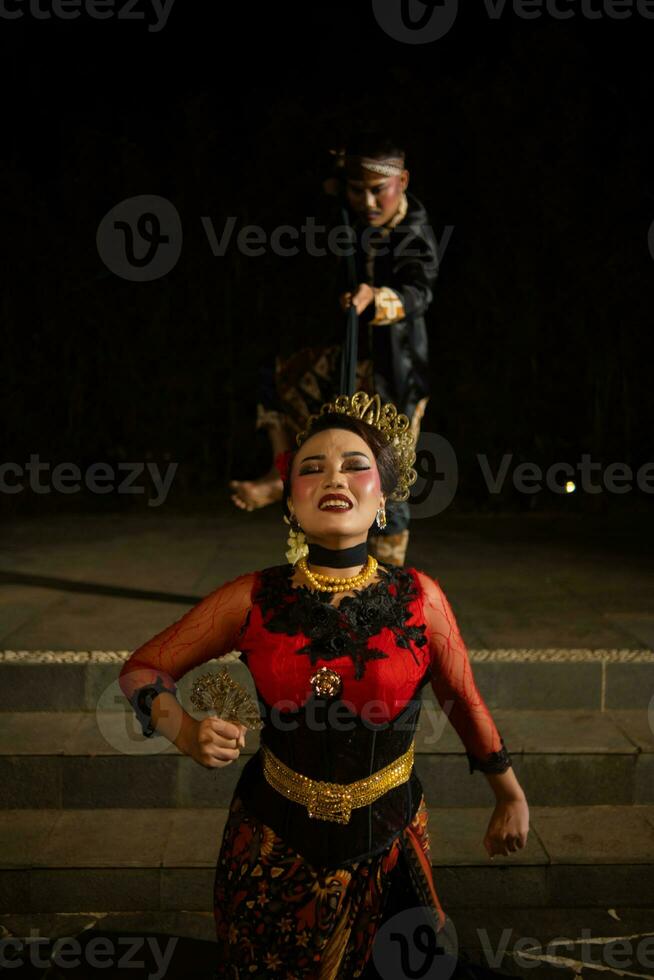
x,y
338,557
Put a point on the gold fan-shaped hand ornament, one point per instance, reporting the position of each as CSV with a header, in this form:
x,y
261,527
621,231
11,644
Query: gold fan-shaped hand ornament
x,y
219,692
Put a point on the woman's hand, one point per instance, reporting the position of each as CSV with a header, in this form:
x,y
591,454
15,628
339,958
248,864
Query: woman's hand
x,y
360,299
214,742
508,827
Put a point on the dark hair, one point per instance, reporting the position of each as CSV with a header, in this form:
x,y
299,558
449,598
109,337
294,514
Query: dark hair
x,y
373,144
382,450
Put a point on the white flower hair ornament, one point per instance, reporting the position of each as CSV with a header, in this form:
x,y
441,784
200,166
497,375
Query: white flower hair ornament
x,y
297,545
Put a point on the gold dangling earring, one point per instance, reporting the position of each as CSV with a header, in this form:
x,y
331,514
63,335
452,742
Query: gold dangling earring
x,y
381,521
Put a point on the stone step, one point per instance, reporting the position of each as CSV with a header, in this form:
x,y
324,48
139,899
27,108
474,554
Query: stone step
x,y
73,760
164,859
74,680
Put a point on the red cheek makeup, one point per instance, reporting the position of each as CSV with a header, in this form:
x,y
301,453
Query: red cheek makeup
x,y
366,482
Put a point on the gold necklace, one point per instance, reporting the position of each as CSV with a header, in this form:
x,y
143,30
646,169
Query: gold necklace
x,y
332,583
339,578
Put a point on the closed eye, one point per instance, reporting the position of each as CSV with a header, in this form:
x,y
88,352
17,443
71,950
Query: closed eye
x,y
316,469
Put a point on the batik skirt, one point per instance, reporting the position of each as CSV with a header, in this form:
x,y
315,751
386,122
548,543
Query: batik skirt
x,y
277,915
307,379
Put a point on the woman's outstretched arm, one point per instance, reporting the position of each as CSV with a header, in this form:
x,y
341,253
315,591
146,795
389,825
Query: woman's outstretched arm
x,y
207,631
454,685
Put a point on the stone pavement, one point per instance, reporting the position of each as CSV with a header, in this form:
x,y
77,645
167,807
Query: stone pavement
x,y
109,582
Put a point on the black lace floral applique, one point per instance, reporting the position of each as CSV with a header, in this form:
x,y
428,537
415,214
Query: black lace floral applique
x,y
346,628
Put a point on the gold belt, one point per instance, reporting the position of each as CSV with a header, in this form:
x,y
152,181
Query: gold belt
x,y
335,801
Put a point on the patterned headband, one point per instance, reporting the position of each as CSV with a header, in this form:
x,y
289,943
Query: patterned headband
x,y
389,167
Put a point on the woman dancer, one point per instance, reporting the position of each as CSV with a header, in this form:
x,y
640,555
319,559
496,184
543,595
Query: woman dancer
x,y
327,835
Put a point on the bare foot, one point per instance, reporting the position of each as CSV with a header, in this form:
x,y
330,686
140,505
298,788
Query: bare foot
x,y
252,494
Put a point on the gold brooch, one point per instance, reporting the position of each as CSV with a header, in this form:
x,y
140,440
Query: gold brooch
x,y
326,683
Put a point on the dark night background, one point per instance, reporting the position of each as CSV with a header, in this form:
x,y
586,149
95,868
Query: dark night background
x,y
531,138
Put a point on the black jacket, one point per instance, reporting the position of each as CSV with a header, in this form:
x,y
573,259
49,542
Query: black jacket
x,y
407,262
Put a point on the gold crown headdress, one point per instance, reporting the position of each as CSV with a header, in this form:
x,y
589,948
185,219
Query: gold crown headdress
x,y
386,418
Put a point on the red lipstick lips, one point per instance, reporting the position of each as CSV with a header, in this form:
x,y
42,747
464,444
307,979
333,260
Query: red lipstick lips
x,y
335,496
